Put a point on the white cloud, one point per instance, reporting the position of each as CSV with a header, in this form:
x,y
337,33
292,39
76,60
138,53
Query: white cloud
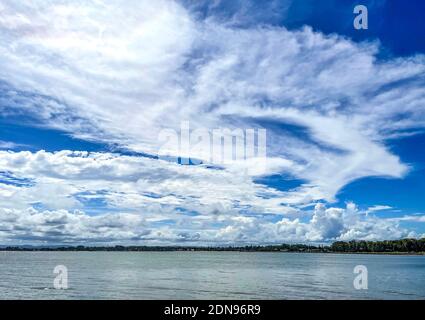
x,y
60,179
32,226
378,208
62,226
8,145
413,218
121,72
144,200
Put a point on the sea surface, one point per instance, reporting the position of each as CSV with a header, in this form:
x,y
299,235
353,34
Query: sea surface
x,y
209,275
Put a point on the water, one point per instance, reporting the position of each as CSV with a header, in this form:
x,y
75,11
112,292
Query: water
x,y
209,275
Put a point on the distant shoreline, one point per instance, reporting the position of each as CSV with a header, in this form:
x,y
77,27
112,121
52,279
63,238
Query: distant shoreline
x,y
234,251
388,247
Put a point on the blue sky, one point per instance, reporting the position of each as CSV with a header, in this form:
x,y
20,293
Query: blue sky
x,y
87,89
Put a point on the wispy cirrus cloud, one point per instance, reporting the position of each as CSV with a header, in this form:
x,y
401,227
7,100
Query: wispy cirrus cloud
x,y
9,145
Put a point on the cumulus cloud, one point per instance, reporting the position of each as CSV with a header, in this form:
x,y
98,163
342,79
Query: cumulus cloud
x,y
144,200
60,179
62,226
120,73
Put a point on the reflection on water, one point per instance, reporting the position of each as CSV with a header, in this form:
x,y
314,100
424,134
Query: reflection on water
x,y
209,275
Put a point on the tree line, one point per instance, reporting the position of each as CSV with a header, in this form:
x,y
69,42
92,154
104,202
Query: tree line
x,y
403,245
387,246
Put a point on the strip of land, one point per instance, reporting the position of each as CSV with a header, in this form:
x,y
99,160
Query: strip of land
x,y
403,246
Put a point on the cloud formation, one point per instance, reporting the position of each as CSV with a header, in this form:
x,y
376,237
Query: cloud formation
x,y
74,197
120,73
